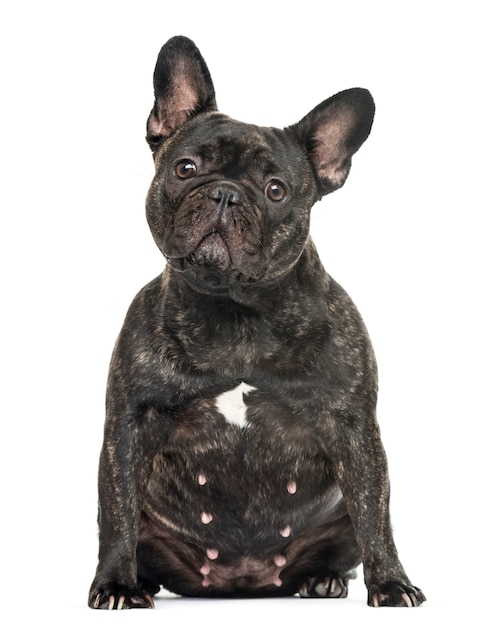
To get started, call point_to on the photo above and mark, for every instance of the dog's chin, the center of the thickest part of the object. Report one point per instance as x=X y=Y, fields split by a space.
x=213 y=252
x=212 y=267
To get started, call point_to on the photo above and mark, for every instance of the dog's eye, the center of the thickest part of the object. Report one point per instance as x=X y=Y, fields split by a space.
x=185 y=169
x=275 y=191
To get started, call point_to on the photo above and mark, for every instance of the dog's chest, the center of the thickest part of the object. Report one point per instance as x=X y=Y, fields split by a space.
x=231 y=405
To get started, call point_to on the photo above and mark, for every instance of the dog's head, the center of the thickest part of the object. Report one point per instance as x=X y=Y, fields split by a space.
x=230 y=202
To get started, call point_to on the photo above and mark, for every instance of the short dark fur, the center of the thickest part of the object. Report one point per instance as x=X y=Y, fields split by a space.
x=294 y=500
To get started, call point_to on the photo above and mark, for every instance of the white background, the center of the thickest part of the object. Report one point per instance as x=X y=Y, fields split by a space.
x=406 y=236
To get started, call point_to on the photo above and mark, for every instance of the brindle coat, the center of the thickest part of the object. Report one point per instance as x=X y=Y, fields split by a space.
x=288 y=491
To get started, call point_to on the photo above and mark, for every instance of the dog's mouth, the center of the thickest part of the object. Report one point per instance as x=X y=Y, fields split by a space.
x=213 y=252
x=213 y=264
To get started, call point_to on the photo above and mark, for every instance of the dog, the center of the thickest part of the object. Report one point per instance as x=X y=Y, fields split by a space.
x=241 y=453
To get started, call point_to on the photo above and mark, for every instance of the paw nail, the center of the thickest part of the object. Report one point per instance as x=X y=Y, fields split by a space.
x=407 y=600
x=120 y=604
x=150 y=601
x=111 y=603
x=303 y=592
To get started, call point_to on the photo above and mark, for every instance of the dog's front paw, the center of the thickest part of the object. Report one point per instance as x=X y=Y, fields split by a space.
x=117 y=597
x=324 y=587
x=394 y=594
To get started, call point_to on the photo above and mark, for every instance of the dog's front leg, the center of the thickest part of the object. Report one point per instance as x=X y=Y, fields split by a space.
x=361 y=471
x=125 y=464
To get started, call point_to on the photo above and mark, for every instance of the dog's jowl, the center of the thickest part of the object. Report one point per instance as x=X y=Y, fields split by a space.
x=241 y=453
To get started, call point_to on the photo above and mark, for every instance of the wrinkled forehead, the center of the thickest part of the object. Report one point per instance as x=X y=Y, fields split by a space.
x=232 y=147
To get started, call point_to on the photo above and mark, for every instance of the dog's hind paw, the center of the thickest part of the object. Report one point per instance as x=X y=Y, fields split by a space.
x=324 y=587
x=393 y=594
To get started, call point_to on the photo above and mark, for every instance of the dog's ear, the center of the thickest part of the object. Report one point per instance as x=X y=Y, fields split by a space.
x=333 y=132
x=182 y=87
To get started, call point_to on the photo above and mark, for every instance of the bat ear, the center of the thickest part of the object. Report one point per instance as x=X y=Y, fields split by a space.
x=182 y=87
x=333 y=132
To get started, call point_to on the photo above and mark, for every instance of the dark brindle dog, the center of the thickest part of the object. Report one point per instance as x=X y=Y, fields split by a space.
x=242 y=455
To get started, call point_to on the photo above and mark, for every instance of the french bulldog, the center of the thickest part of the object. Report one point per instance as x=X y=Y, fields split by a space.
x=241 y=453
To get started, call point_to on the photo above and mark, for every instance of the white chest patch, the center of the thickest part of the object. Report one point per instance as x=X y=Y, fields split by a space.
x=231 y=404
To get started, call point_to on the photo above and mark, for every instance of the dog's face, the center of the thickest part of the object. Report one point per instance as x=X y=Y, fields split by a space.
x=230 y=202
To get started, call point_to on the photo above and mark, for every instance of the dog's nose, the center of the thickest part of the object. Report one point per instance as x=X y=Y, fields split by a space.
x=225 y=195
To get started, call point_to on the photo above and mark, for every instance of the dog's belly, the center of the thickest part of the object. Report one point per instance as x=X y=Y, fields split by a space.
x=238 y=493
